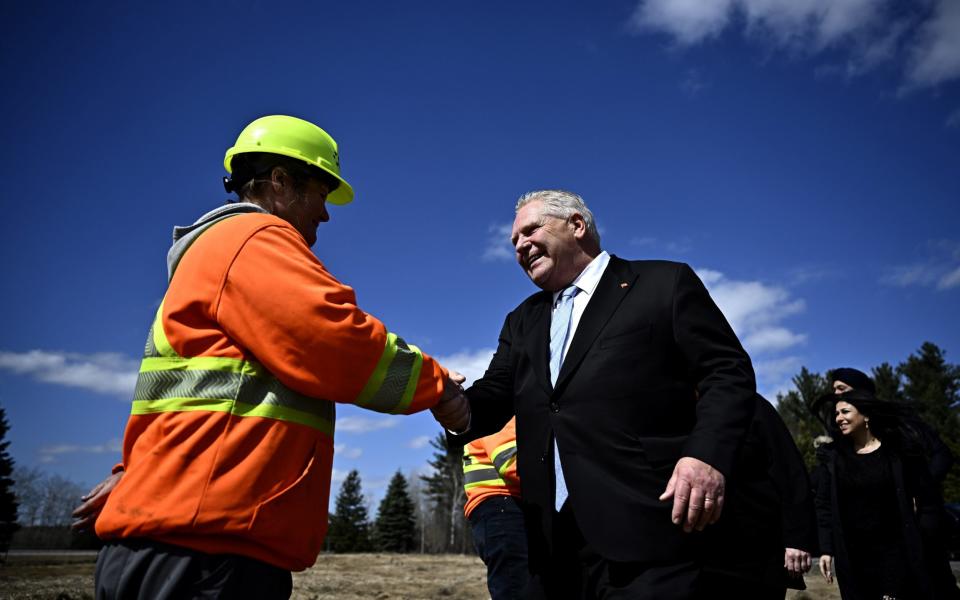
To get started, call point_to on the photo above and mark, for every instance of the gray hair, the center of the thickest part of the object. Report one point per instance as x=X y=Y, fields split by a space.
x=562 y=204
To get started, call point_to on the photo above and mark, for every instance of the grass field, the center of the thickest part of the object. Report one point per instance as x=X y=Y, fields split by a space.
x=69 y=576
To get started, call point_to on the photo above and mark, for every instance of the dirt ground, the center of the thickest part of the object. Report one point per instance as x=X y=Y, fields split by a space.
x=69 y=576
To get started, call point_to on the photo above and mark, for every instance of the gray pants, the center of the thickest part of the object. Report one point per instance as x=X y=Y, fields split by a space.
x=146 y=570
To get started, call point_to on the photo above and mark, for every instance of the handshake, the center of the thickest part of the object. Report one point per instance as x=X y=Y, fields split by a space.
x=453 y=409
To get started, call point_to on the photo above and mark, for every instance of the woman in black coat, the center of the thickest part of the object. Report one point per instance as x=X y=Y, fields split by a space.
x=875 y=503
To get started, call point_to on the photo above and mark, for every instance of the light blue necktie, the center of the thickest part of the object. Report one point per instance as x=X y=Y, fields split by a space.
x=559 y=327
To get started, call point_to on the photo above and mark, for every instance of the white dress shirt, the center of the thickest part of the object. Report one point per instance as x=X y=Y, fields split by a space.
x=587 y=282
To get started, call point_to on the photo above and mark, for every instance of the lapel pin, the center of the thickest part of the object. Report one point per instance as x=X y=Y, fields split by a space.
x=623 y=285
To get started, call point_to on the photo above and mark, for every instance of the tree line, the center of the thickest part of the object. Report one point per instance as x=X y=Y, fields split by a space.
x=924 y=381
x=424 y=513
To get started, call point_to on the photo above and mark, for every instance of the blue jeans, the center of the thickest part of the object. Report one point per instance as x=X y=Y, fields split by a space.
x=501 y=542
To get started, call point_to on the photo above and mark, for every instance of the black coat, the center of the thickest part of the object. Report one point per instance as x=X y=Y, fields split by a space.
x=919 y=507
x=769 y=507
x=625 y=407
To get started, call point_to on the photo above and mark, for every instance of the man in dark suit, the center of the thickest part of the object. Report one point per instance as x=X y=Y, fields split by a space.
x=630 y=391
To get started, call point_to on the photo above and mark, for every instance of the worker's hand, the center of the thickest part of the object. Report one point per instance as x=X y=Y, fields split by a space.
x=826 y=567
x=697 y=490
x=796 y=562
x=85 y=515
x=456 y=377
x=453 y=410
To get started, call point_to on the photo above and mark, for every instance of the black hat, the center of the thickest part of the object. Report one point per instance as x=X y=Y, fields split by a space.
x=856 y=379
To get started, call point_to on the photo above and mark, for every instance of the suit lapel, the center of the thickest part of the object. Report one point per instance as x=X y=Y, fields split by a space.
x=538 y=338
x=614 y=284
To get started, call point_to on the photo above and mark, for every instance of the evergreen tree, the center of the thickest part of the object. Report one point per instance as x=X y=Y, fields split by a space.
x=444 y=489
x=887 y=381
x=931 y=386
x=794 y=408
x=394 y=530
x=349 y=525
x=8 y=502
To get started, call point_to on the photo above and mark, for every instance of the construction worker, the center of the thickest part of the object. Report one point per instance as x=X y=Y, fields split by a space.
x=493 y=510
x=228 y=451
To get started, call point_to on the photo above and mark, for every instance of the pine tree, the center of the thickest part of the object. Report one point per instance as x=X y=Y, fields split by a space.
x=349 y=526
x=394 y=530
x=887 y=381
x=444 y=488
x=794 y=409
x=8 y=502
x=932 y=387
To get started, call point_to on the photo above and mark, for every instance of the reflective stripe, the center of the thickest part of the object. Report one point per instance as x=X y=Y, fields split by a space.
x=204 y=363
x=504 y=455
x=485 y=475
x=150 y=350
x=171 y=383
x=236 y=393
x=393 y=382
x=157 y=338
x=164 y=385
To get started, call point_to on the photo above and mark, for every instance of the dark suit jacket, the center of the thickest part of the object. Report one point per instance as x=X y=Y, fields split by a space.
x=625 y=406
x=769 y=507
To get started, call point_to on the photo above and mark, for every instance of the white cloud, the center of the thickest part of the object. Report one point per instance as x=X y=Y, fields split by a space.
x=924 y=43
x=49 y=454
x=786 y=21
x=940 y=268
x=689 y=21
x=935 y=54
x=756 y=311
x=419 y=442
x=366 y=424
x=347 y=452
x=773 y=339
x=950 y=280
x=498 y=243
x=776 y=376
x=107 y=373
x=470 y=363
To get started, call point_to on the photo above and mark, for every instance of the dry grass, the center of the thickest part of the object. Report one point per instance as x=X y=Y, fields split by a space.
x=392 y=577
x=48 y=576
x=69 y=576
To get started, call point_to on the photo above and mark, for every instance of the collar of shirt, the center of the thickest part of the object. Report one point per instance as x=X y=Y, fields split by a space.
x=589 y=278
x=587 y=281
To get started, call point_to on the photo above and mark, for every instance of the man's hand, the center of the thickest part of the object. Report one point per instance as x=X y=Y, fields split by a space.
x=85 y=515
x=453 y=410
x=826 y=567
x=796 y=562
x=697 y=490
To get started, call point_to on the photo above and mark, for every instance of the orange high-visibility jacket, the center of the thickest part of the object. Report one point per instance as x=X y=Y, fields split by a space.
x=229 y=445
x=490 y=467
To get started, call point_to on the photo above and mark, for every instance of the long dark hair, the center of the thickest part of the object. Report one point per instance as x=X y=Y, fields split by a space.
x=890 y=422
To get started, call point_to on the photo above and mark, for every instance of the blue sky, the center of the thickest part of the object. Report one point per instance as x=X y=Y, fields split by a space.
x=802 y=155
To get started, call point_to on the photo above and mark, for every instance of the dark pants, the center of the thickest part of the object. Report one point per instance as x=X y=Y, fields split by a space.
x=717 y=585
x=501 y=542
x=576 y=570
x=141 y=569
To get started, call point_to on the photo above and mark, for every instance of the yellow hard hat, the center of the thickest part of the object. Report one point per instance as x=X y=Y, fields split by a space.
x=296 y=138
